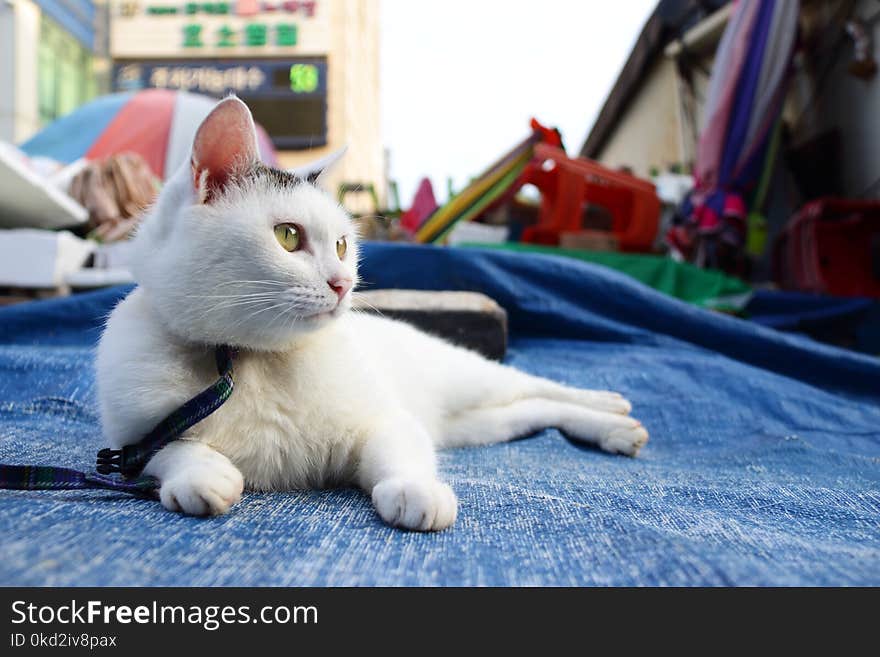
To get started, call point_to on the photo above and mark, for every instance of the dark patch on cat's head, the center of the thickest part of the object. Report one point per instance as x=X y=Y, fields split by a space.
x=267 y=178
x=277 y=177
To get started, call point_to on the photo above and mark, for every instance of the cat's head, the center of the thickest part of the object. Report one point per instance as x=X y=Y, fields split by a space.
x=235 y=252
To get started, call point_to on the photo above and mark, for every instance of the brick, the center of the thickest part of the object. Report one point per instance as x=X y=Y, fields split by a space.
x=468 y=319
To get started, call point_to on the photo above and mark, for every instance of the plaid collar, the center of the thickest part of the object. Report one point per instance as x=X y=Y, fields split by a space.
x=131 y=459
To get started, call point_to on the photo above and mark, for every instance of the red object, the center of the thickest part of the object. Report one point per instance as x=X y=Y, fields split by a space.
x=568 y=184
x=549 y=136
x=247 y=7
x=831 y=246
x=424 y=203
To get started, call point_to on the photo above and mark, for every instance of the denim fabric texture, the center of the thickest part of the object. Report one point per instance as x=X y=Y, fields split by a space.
x=762 y=468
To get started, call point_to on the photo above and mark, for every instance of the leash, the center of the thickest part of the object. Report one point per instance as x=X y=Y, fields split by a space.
x=129 y=461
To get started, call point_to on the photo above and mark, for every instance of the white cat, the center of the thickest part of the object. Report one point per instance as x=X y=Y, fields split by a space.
x=240 y=254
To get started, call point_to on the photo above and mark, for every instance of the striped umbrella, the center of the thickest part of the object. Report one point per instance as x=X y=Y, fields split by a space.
x=740 y=131
x=158 y=124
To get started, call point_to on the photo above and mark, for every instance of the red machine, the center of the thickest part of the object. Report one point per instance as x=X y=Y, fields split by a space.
x=831 y=246
x=568 y=185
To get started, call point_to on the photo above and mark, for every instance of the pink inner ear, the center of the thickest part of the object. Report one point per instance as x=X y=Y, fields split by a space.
x=225 y=144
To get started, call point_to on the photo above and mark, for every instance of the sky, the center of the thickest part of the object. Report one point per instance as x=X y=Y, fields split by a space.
x=460 y=79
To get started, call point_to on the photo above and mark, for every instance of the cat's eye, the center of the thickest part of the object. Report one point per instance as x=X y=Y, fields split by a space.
x=288 y=236
x=341 y=247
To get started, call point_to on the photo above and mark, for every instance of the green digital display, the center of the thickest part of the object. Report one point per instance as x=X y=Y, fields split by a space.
x=303 y=78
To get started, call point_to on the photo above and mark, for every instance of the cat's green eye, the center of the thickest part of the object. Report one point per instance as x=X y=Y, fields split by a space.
x=288 y=236
x=341 y=247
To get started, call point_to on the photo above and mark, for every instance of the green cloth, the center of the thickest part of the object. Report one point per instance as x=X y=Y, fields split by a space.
x=708 y=288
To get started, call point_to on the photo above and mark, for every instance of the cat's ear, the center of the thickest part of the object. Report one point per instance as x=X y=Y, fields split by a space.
x=312 y=171
x=225 y=145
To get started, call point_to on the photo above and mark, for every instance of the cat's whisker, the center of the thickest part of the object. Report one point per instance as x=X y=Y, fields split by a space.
x=292 y=319
x=259 y=311
x=243 y=304
x=243 y=300
x=239 y=304
x=232 y=300
x=250 y=316
x=282 y=314
x=247 y=295
x=255 y=282
x=230 y=296
x=361 y=299
x=293 y=304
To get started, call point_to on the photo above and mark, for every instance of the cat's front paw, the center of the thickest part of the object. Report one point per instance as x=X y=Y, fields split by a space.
x=203 y=489
x=418 y=504
x=627 y=438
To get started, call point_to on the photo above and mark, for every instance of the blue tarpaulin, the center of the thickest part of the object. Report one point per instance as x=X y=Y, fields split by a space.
x=763 y=464
x=853 y=322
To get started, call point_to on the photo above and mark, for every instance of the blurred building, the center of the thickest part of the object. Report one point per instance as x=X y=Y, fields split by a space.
x=308 y=69
x=47 y=62
x=647 y=122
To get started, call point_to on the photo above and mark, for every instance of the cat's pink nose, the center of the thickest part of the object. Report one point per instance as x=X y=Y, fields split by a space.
x=341 y=286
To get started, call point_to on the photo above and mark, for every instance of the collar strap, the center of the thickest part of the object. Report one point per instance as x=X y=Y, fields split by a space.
x=131 y=459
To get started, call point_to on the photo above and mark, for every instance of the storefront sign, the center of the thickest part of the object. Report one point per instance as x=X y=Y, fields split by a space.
x=287 y=97
x=252 y=35
x=130 y=8
x=296 y=76
x=165 y=29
